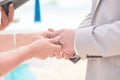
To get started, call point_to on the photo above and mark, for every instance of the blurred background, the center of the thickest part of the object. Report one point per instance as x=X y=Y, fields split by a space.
x=55 y=14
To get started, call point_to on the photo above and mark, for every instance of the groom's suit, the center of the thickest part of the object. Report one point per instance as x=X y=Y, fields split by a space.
x=99 y=35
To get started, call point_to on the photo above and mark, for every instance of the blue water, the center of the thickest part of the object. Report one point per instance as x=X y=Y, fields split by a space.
x=22 y=72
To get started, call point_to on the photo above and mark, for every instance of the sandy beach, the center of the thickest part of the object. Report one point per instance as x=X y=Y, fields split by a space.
x=60 y=70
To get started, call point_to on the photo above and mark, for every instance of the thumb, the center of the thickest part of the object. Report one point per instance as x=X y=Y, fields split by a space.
x=56 y=33
x=51 y=30
x=55 y=40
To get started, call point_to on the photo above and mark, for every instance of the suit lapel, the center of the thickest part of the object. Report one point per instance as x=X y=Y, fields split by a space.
x=96 y=6
x=94 y=10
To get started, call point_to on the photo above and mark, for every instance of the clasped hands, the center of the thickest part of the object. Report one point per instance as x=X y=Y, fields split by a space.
x=51 y=43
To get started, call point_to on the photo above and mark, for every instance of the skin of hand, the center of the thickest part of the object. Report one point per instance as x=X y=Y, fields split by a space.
x=44 y=34
x=6 y=20
x=31 y=37
x=67 y=42
x=40 y=48
x=21 y=39
x=44 y=47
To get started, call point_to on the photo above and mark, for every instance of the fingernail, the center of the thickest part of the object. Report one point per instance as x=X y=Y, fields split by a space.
x=61 y=54
x=11 y=4
x=59 y=37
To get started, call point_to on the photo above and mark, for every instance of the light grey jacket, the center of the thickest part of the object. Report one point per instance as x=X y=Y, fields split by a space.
x=99 y=35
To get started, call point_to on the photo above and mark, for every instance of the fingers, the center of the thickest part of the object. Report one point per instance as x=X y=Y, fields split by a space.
x=67 y=54
x=52 y=33
x=11 y=12
x=48 y=33
x=56 y=33
x=58 y=52
x=57 y=48
x=51 y=30
x=55 y=40
x=58 y=55
x=4 y=20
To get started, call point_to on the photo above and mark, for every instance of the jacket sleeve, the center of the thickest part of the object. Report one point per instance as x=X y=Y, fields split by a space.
x=98 y=40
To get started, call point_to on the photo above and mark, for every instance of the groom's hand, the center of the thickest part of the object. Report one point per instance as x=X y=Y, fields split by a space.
x=67 y=42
